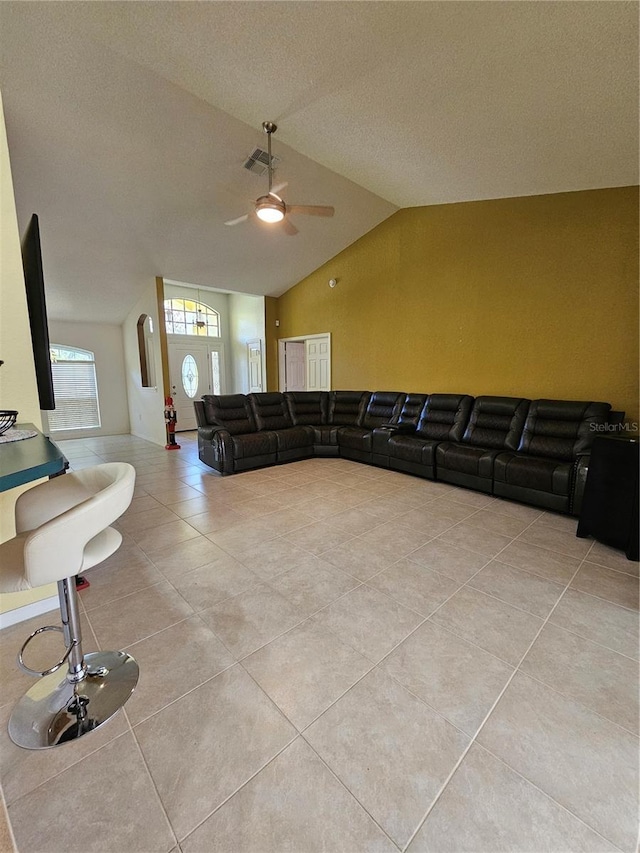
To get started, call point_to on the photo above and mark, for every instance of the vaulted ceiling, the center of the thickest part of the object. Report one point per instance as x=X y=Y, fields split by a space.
x=129 y=123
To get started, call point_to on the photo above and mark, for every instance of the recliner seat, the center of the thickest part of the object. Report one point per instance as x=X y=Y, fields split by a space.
x=271 y=414
x=311 y=408
x=355 y=441
x=404 y=422
x=543 y=471
x=443 y=418
x=495 y=425
x=228 y=437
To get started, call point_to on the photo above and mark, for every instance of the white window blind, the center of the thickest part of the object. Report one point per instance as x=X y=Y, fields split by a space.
x=75 y=389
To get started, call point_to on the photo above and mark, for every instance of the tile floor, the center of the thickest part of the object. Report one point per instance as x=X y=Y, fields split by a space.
x=336 y=657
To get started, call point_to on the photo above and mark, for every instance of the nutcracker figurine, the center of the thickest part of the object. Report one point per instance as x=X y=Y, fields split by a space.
x=170 y=419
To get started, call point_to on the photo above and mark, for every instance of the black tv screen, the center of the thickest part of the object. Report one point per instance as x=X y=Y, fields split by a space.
x=34 y=281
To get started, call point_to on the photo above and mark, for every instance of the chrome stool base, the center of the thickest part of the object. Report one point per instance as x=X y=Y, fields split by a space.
x=54 y=711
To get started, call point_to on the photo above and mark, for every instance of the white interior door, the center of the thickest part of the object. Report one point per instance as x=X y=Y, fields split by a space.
x=190 y=379
x=294 y=366
x=254 y=357
x=318 y=358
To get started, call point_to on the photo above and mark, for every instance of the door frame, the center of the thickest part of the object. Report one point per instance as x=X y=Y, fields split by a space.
x=206 y=343
x=199 y=347
x=299 y=339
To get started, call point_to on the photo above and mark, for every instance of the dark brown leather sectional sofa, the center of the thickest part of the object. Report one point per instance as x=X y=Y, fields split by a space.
x=531 y=451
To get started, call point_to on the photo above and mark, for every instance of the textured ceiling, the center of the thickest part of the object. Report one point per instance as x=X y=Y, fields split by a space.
x=128 y=123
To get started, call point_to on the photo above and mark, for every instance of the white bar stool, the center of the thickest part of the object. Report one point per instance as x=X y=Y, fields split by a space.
x=62 y=529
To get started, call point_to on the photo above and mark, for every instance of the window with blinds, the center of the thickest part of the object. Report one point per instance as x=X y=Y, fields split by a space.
x=75 y=389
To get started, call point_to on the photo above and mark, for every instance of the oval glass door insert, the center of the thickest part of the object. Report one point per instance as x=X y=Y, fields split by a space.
x=190 y=376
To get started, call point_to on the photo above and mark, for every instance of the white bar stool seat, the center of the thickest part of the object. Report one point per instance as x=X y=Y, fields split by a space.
x=63 y=528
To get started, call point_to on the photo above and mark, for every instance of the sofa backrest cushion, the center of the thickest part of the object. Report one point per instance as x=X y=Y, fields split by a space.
x=347 y=408
x=562 y=429
x=270 y=411
x=410 y=410
x=383 y=407
x=232 y=411
x=496 y=422
x=308 y=408
x=444 y=417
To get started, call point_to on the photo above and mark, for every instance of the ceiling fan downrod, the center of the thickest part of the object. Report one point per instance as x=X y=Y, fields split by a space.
x=269 y=127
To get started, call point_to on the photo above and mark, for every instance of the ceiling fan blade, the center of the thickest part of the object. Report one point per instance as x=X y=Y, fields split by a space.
x=238 y=220
x=311 y=209
x=288 y=227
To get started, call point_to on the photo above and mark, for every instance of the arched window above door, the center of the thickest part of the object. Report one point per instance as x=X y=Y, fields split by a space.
x=190 y=317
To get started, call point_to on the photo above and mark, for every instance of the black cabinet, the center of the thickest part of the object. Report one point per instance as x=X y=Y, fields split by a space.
x=610 y=505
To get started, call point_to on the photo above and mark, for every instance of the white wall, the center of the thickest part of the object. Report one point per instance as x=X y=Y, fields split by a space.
x=146 y=405
x=246 y=320
x=106 y=342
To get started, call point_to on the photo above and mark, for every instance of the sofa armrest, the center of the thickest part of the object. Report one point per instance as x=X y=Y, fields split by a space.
x=207 y=431
x=580 y=471
x=404 y=429
x=215 y=448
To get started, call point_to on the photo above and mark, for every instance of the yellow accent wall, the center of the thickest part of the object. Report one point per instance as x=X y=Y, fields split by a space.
x=18 y=389
x=534 y=296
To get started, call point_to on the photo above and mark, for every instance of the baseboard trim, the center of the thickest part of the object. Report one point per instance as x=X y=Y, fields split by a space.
x=21 y=614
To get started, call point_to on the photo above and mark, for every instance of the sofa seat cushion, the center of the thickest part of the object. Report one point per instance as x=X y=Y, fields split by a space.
x=254 y=444
x=356 y=438
x=410 y=448
x=466 y=459
x=534 y=472
x=294 y=438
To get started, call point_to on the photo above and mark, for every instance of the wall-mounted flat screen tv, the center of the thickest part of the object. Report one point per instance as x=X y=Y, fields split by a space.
x=36 y=302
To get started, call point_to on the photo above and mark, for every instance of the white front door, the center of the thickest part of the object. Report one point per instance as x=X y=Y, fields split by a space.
x=294 y=366
x=254 y=356
x=318 y=355
x=190 y=379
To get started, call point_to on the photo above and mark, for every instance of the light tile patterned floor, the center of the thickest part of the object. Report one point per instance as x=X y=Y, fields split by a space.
x=335 y=657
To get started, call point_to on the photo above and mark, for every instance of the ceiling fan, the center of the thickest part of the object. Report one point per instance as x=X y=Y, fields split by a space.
x=272 y=208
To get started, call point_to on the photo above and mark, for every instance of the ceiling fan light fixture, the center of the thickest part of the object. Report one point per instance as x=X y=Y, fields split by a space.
x=270 y=209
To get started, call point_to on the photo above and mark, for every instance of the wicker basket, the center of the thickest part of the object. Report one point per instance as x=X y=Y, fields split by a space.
x=7 y=419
